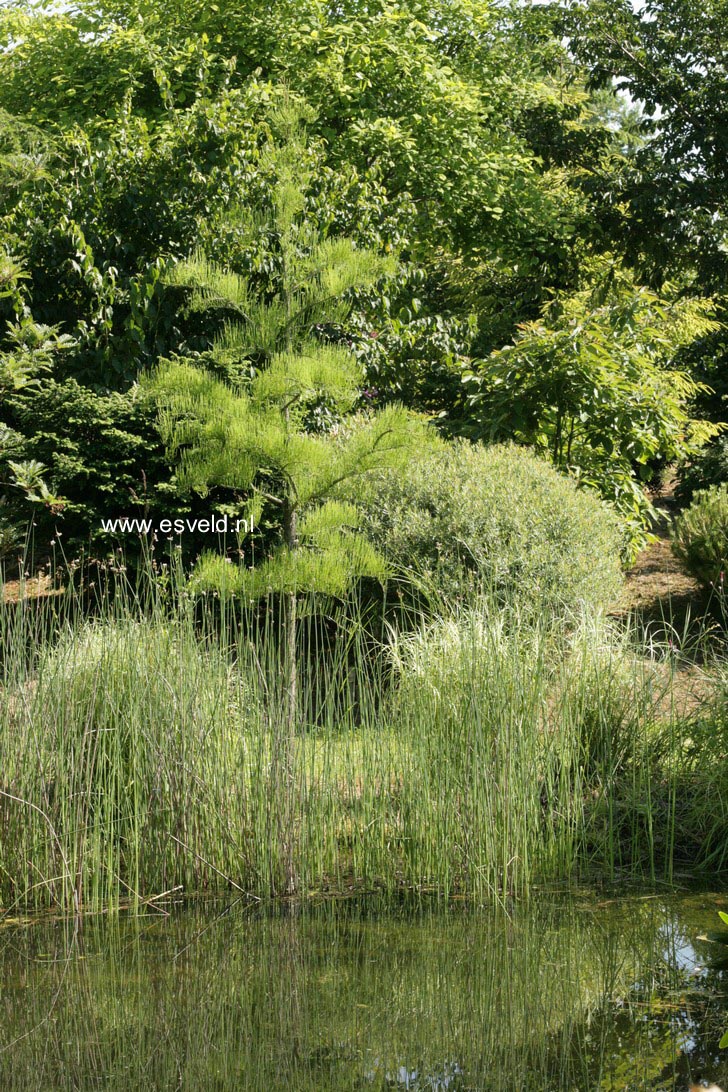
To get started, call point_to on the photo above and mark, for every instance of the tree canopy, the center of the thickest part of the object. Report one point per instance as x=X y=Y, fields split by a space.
x=484 y=155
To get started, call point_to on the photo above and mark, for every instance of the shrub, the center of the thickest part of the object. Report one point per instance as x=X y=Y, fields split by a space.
x=709 y=467
x=700 y=534
x=593 y=386
x=462 y=516
x=102 y=455
x=99 y=452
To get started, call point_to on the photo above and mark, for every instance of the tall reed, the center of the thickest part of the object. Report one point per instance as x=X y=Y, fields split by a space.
x=480 y=752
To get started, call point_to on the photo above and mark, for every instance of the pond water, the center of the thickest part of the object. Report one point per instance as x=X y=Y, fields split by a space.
x=576 y=993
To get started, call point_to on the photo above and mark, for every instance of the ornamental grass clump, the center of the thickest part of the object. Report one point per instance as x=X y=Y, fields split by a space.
x=613 y=701
x=123 y=765
x=481 y=774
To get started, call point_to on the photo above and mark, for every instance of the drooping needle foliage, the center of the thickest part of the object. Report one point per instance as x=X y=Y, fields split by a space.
x=254 y=438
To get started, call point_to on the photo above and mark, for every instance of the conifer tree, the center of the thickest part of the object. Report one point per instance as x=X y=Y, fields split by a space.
x=252 y=436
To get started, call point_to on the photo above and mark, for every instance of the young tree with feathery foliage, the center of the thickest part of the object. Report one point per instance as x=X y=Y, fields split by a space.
x=253 y=435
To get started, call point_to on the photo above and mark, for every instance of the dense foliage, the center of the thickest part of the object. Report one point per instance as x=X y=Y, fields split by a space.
x=700 y=535
x=592 y=386
x=708 y=467
x=547 y=247
x=466 y=516
x=427 y=293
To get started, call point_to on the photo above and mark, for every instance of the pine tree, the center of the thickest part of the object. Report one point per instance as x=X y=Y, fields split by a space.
x=253 y=437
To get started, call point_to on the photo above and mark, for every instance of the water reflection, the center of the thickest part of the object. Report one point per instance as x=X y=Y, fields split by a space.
x=559 y=995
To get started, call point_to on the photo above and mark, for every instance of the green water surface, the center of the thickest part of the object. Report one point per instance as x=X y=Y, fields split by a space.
x=584 y=992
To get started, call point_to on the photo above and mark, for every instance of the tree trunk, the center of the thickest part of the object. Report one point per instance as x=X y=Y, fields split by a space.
x=291 y=700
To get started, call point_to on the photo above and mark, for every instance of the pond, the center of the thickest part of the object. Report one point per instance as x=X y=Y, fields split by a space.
x=561 y=993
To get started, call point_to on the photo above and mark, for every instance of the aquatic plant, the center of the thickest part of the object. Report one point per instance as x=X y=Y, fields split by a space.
x=480 y=753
